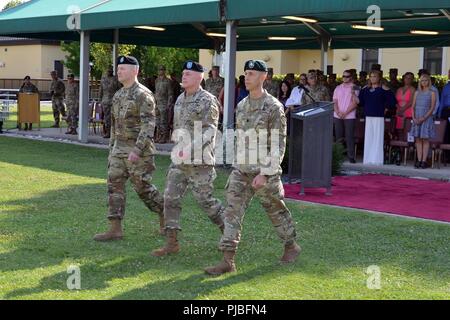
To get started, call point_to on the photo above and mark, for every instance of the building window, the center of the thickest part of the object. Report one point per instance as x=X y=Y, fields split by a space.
x=432 y=60
x=369 y=57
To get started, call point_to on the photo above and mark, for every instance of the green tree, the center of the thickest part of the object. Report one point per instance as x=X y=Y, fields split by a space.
x=172 y=58
x=100 y=55
x=12 y=4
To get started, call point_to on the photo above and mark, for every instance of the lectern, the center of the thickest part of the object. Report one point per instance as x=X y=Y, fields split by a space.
x=311 y=145
x=29 y=109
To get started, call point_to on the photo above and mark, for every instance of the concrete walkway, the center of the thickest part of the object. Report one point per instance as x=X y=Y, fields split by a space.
x=58 y=135
x=442 y=174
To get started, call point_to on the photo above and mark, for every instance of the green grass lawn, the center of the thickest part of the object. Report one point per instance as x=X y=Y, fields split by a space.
x=53 y=200
x=46 y=118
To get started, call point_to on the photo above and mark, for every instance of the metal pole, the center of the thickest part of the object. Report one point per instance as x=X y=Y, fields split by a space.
x=84 y=86
x=115 y=52
x=229 y=86
x=324 y=54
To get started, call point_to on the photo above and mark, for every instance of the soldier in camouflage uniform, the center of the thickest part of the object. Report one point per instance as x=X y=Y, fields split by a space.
x=194 y=107
x=271 y=86
x=214 y=84
x=263 y=113
x=164 y=98
x=57 y=90
x=28 y=87
x=108 y=87
x=131 y=148
x=316 y=90
x=72 y=94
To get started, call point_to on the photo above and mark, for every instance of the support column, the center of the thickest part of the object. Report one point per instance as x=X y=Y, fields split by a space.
x=324 y=54
x=115 y=52
x=84 y=87
x=230 y=75
x=229 y=91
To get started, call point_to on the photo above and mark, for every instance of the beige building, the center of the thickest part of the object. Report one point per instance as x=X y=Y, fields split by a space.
x=436 y=60
x=37 y=58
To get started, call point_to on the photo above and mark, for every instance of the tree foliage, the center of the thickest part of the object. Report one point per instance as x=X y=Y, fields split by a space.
x=149 y=57
x=12 y=4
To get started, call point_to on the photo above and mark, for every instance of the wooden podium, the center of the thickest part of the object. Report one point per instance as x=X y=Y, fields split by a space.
x=29 y=109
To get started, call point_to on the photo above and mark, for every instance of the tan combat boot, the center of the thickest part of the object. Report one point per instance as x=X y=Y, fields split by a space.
x=115 y=233
x=291 y=253
x=226 y=265
x=171 y=245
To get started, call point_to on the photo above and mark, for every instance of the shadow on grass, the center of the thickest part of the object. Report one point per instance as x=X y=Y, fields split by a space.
x=58 y=238
x=60 y=157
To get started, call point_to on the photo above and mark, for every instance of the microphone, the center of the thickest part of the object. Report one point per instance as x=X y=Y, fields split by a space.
x=304 y=88
x=307 y=92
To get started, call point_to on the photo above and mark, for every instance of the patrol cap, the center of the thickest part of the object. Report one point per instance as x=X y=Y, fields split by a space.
x=193 y=66
x=127 y=60
x=257 y=65
x=216 y=67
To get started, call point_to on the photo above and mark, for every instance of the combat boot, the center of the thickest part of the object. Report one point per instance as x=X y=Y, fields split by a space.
x=114 y=233
x=171 y=245
x=291 y=253
x=226 y=265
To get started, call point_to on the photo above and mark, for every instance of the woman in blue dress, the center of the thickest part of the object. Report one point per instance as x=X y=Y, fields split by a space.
x=423 y=125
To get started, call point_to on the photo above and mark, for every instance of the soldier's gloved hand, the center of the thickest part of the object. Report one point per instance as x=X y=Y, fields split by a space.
x=133 y=157
x=259 y=181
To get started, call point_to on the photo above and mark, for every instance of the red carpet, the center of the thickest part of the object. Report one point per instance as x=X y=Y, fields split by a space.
x=403 y=196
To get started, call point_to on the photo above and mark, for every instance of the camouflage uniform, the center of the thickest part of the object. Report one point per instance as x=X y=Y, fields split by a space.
x=72 y=93
x=214 y=86
x=164 y=97
x=265 y=113
x=319 y=93
x=272 y=87
x=132 y=127
x=57 y=89
x=28 y=88
x=202 y=107
x=108 y=87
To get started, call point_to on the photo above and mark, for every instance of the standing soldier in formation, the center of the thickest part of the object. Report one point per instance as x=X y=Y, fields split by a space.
x=272 y=86
x=28 y=87
x=263 y=113
x=72 y=94
x=194 y=108
x=57 y=90
x=131 y=148
x=108 y=87
x=164 y=98
x=214 y=84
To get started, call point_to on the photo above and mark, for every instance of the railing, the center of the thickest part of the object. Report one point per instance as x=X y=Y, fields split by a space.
x=43 y=86
x=7 y=97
